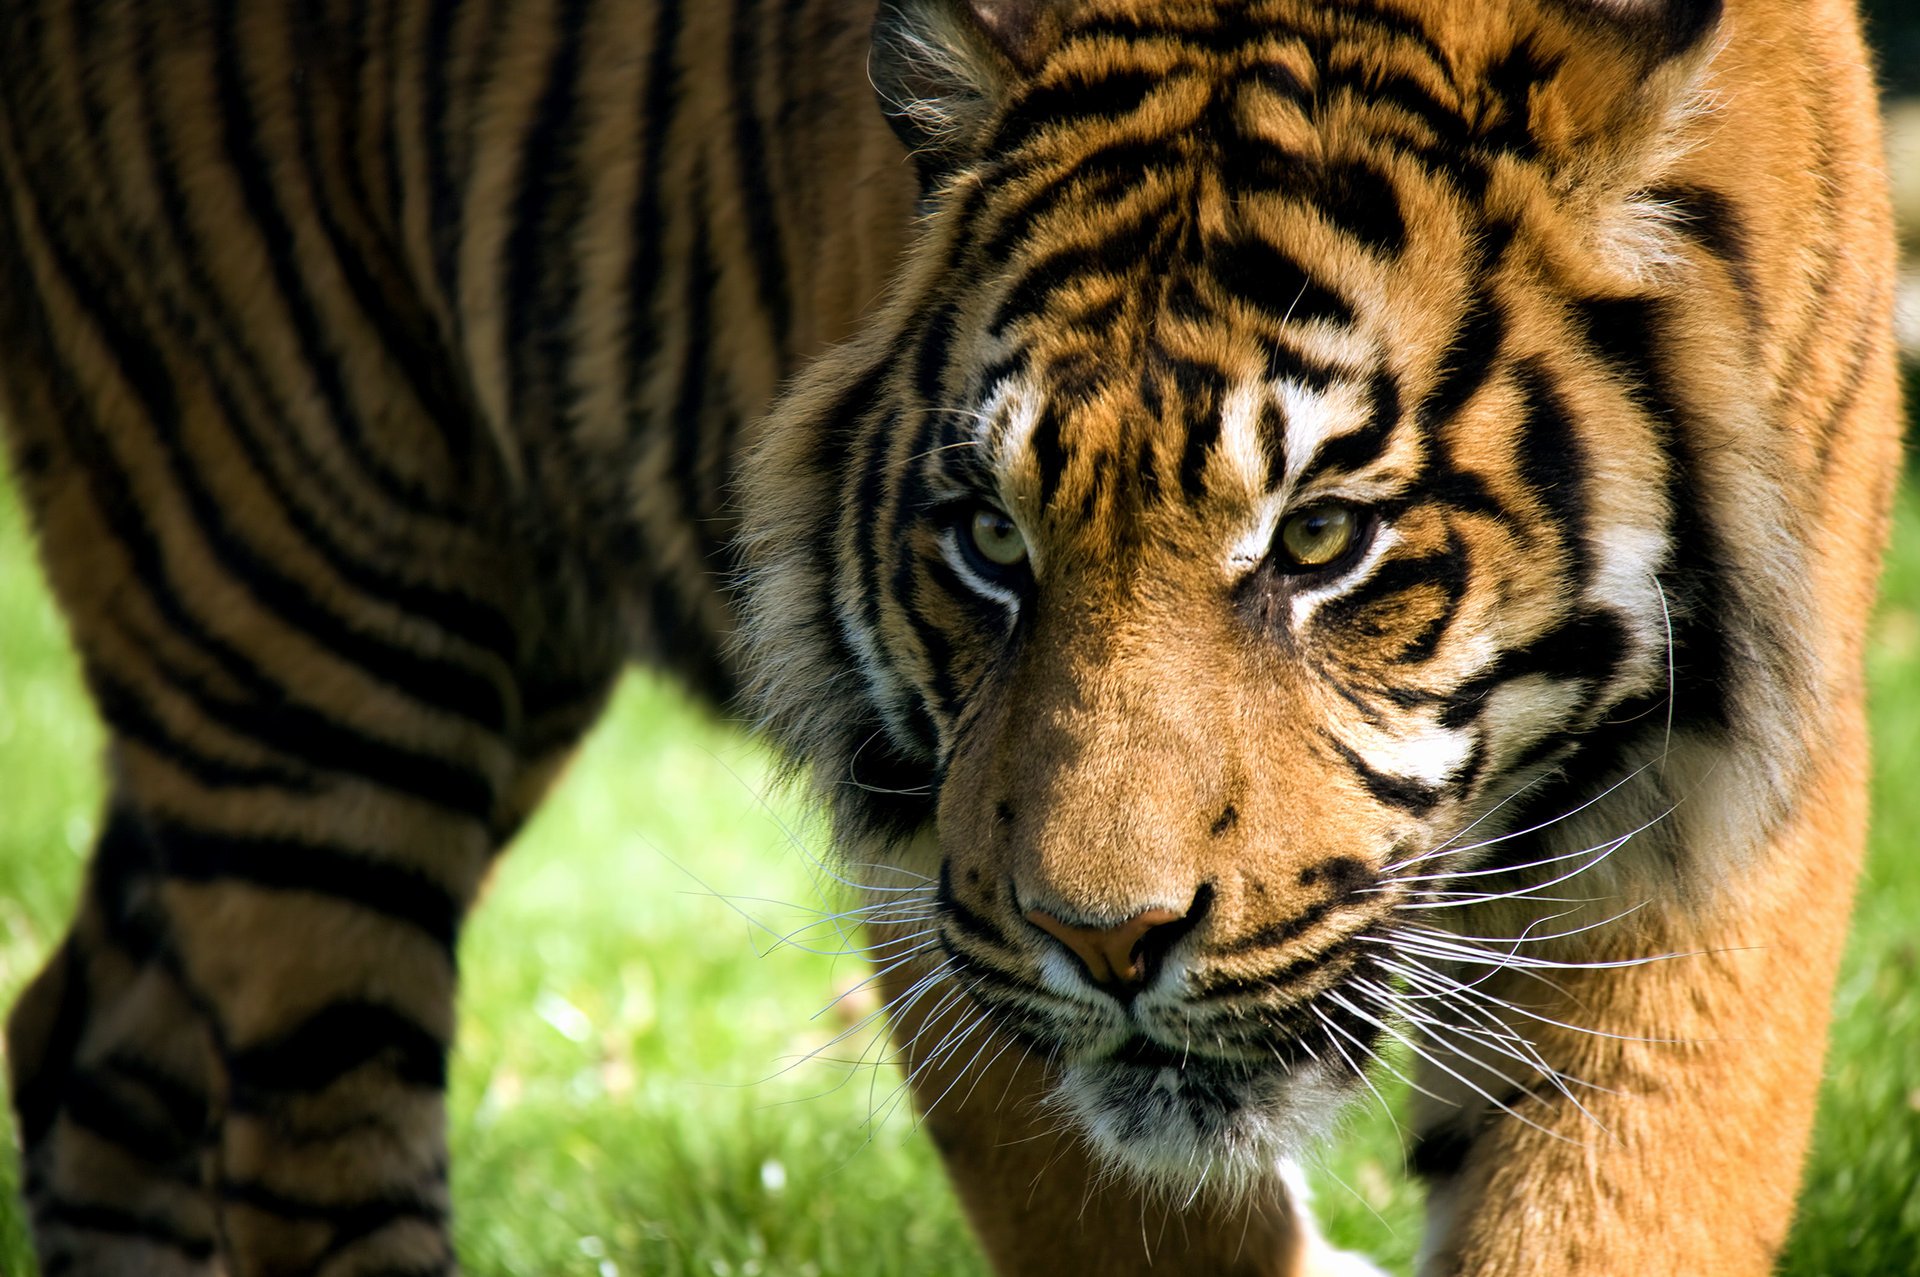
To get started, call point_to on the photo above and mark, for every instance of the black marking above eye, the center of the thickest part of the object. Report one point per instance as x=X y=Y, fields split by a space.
x=1267 y=279
x=1363 y=202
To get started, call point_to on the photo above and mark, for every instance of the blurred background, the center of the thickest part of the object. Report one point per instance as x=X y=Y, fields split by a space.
x=629 y=1089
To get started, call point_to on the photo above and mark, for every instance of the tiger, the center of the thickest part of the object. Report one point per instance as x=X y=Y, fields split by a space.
x=1307 y=533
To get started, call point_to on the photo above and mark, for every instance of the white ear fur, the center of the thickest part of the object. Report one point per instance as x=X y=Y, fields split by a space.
x=941 y=67
x=936 y=74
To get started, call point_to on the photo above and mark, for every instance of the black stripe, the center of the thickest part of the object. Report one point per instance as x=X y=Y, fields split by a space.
x=1468 y=361
x=445 y=686
x=892 y=793
x=1395 y=791
x=1219 y=30
x=1450 y=574
x=757 y=198
x=933 y=642
x=680 y=642
x=1588 y=648
x=184 y=1104
x=39 y=1080
x=391 y=889
x=1285 y=360
x=435 y=63
x=699 y=398
x=1049 y=450
x=1358 y=198
x=1511 y=80
x=1354 y=451
x=1099 y=178
x=1079 y=97
x=931 y=358
x=1439 y=1154
x=117 y=1221
x=538 y=257
x=1712 y=221
x=337 y=1040
x=373 y=273
x=1625 y=332
x=310 y=737
x=1122 y=249
x=1202 y=390
x=1368 y=601
x=128 y=714
x=90 y=1103
x=985 y=616
x=961 y=917
x=1373 y=86
x=1553 y=462
x=1866 y=344
x=249 y=166
x=648 y=221
x=1261 y=275
x=349 y=1221
x=266 y=715
x=1272 y=426
x=471 y=619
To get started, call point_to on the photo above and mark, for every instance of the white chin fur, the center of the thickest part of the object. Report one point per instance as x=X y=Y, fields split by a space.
x=1206 y=1128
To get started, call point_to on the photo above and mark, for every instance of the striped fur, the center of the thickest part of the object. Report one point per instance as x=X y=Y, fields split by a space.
x=381 y=374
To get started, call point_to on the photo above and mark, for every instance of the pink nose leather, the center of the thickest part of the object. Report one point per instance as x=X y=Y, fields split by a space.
x=1111 y=953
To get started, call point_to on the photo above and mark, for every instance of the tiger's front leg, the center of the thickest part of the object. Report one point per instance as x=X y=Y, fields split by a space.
x=1677 y=1141
x=235 y=1063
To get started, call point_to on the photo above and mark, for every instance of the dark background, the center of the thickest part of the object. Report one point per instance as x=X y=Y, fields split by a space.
x=1894 y=28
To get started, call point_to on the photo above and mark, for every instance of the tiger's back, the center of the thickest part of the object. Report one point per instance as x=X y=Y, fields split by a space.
x=378 y=373
x=373 y=373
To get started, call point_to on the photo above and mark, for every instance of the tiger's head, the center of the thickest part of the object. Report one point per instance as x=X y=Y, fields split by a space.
x=1262 y=503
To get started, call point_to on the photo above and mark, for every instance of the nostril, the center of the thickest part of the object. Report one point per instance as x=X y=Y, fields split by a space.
x=1125 y=957
x=1151 y=949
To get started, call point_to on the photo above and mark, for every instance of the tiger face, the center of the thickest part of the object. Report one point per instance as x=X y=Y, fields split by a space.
x=1246 y=531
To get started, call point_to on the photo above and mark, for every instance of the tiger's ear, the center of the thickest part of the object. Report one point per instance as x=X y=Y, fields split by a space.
x=1625 y=74
x=1659 y=30
x=943 y=67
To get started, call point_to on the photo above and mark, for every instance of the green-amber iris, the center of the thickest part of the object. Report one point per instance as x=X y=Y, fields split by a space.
x=997 y=537
x=1317 y=535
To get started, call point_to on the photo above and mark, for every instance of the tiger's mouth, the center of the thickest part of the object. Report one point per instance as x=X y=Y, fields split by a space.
x=1180 y=1119
x=1168 y=1095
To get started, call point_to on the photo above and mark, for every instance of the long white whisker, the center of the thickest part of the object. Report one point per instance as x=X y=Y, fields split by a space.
x=1471 y=1085
x=1505 y=1005
x=1447 y=850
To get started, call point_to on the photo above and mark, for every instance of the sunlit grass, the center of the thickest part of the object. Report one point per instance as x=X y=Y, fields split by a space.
x=622 y=1100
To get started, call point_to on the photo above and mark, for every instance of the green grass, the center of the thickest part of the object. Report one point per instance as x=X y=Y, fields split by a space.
x=618 y=1098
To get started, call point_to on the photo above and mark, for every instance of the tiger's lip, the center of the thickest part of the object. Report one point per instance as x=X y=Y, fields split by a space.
x=1139 y=1051
x=1144 y=1052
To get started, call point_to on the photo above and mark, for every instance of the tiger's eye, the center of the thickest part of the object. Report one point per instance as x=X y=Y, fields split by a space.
x=1318 y=535
x=998 y=538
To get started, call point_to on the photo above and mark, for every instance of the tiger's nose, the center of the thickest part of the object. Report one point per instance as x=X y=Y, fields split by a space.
x=1124 y=957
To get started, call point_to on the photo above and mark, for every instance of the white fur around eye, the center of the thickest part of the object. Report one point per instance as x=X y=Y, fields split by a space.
x=956 y=557
x=1306 y=601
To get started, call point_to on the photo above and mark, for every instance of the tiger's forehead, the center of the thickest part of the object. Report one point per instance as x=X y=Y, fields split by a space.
x=1177 y=443
x=1201 y=256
